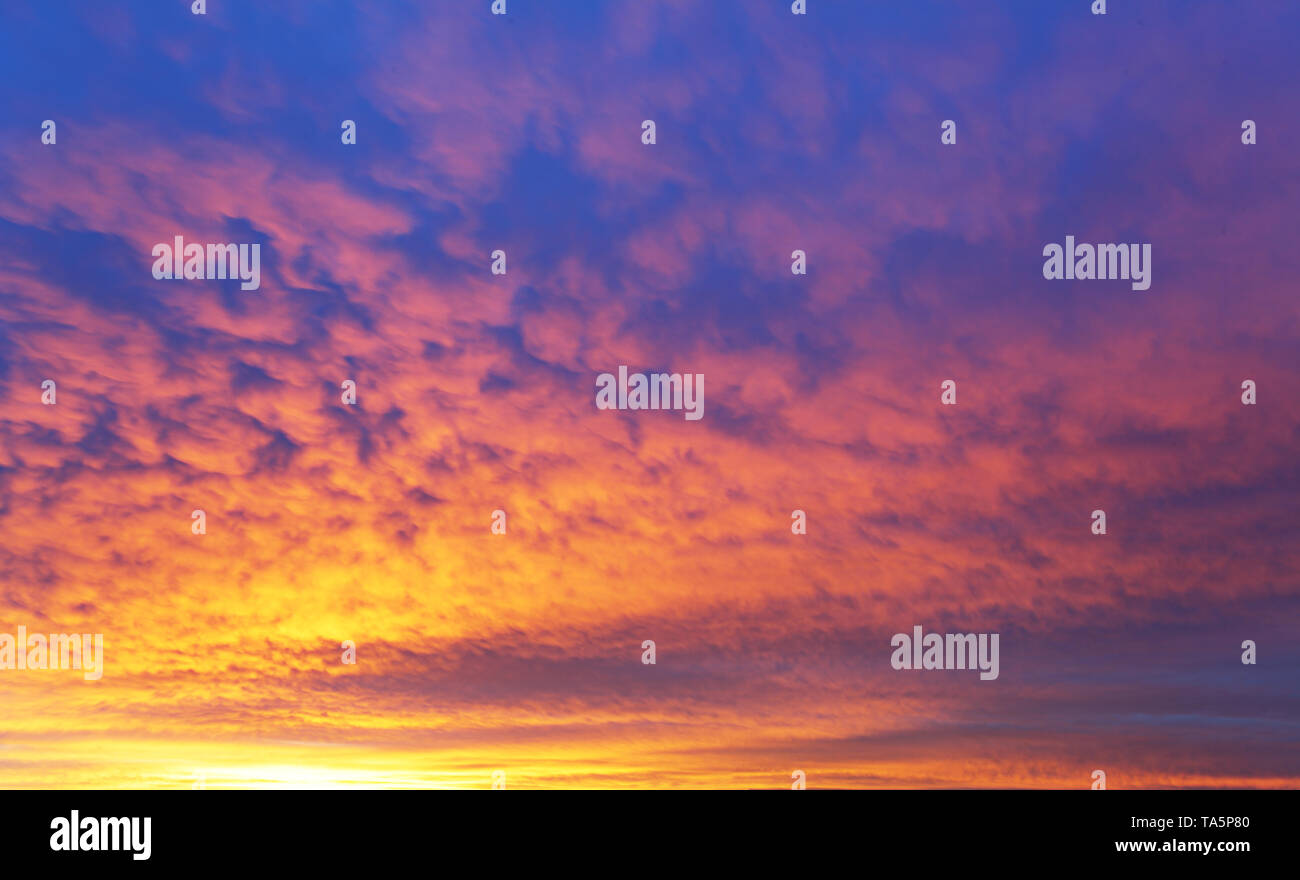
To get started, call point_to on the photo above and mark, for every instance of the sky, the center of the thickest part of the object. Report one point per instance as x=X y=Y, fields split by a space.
x=522 y=652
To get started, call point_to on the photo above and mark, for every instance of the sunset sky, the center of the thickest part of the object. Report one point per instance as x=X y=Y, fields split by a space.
x=522 y=652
